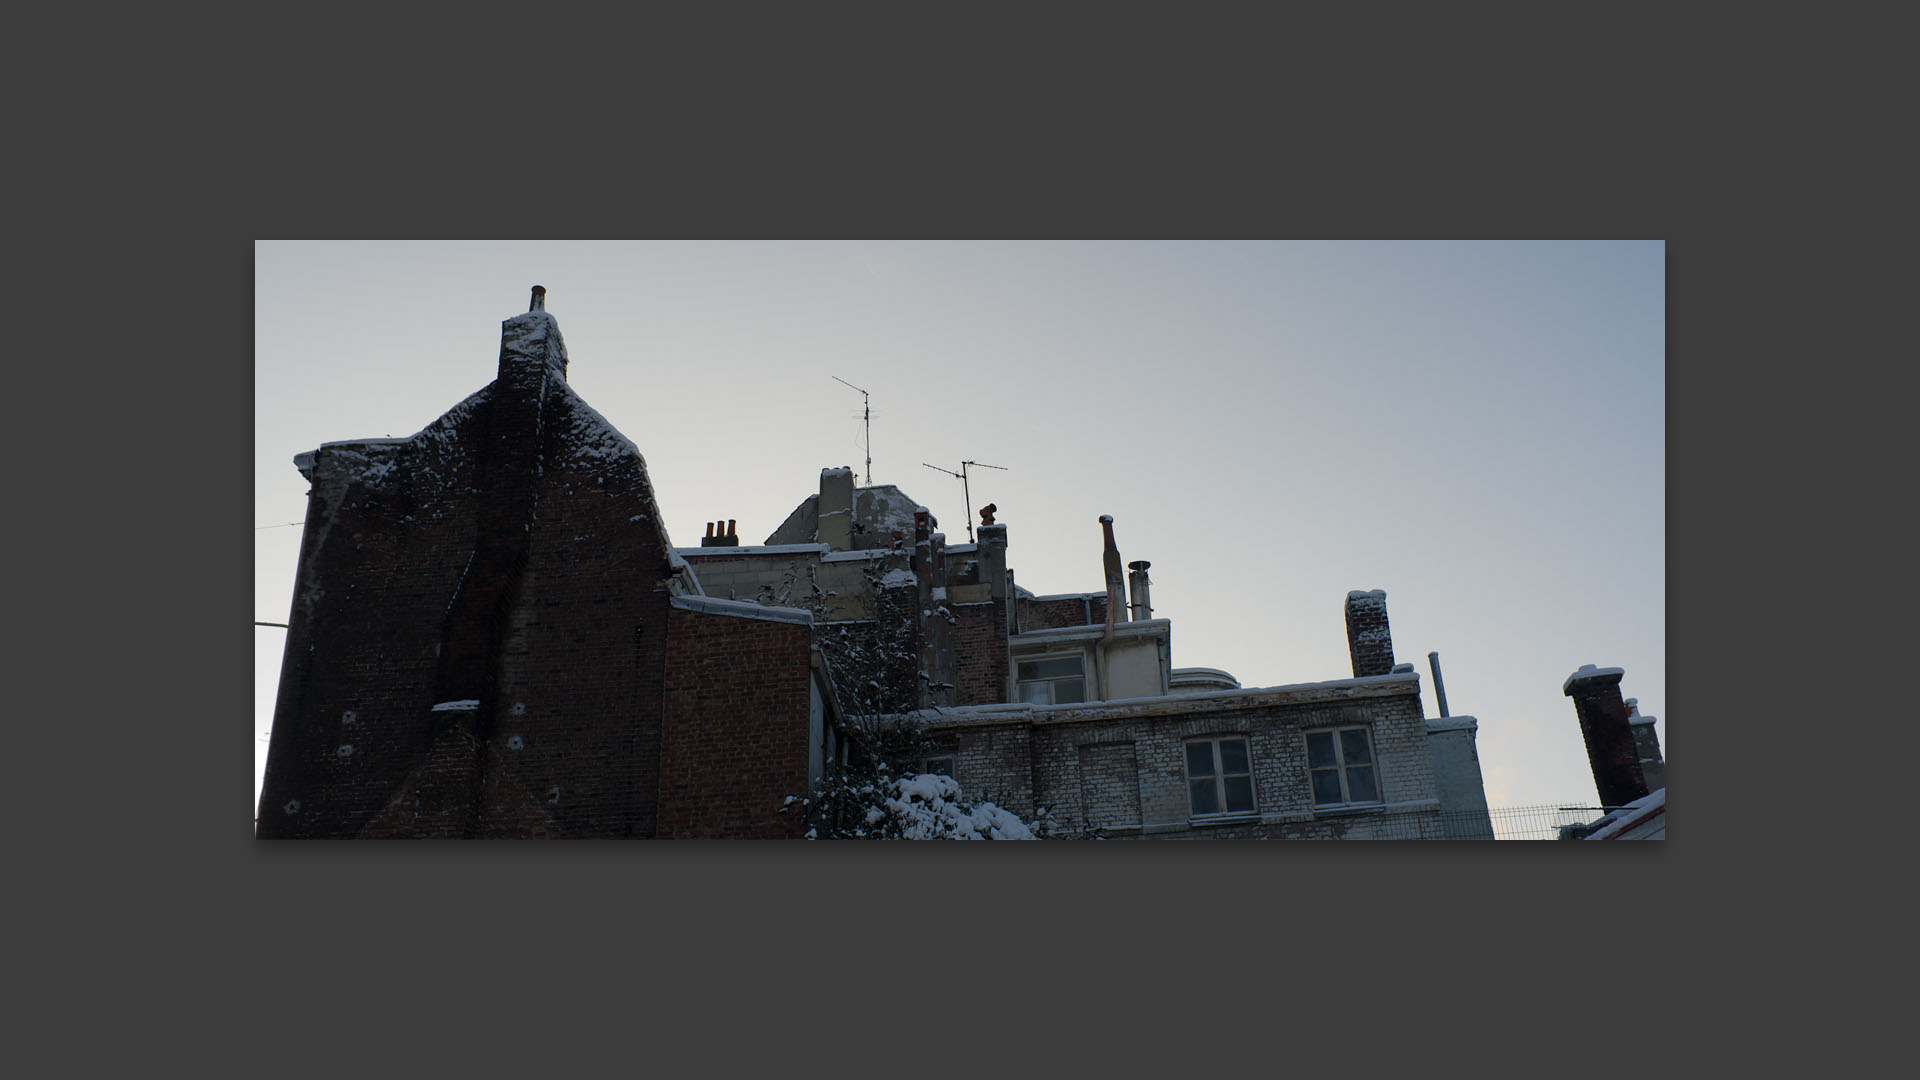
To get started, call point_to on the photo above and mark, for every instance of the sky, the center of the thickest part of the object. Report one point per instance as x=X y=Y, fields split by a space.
x=1477 y=428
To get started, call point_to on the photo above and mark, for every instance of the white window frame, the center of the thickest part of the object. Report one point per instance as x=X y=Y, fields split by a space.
x=1340 y=767
x=1220 y=777
x=1019 y=694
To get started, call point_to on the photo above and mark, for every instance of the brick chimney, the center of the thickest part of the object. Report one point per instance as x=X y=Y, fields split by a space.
x=836 y=508
x=1369 y=642
x=1646 y=742
x=1608 y=730
x=530 y=344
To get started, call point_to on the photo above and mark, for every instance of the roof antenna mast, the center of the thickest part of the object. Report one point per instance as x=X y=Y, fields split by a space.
x=866 y=419
x=964 y=491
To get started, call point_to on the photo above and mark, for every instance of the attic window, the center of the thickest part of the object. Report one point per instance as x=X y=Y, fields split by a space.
x=1052 y=680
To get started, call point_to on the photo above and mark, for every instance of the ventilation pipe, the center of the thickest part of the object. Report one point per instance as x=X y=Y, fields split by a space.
x=1141 y=609
x=1439 y=688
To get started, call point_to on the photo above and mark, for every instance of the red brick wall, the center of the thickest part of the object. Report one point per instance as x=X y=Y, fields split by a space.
x=734 y=740
x=980 y=652
x=1072 y=611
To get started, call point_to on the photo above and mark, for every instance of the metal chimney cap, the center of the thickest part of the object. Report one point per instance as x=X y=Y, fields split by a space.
x=1138 y=564
x=539 y=302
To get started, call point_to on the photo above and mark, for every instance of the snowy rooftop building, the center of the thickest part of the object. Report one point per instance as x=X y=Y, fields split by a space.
x=491 y=614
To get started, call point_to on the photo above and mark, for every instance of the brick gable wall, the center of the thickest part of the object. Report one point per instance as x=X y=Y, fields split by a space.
x=504 y=556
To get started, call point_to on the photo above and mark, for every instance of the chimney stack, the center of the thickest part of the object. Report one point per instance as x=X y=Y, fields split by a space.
x=836 y=508
x=1137 y=583
x=1369 y=642
x=1646 y=743
x=531 y=345
x=1608 y=731
x=1116 y=584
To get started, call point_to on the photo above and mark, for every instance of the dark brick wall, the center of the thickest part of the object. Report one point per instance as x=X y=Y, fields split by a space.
x=735 y=739
x=509 y=554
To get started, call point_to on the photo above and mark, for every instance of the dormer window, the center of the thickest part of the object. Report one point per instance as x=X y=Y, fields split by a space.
x=1052 y=680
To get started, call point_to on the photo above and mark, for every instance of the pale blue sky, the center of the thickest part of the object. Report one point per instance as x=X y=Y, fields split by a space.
x=1478 y=427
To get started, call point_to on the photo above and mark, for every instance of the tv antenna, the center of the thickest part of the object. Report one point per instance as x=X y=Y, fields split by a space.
x=866 y=418
x=964 y=491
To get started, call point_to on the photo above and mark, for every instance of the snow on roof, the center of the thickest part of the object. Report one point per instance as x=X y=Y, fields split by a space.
x=1359 y=594
x=743 y=609
x=1452 y=723
x=883 y=510
x=1632 y=814
x=1203 y=672
x=535 y=335
x=376 y=457
x=868 y=554
x=1588 y=671
x=1173 y=704
x=595 y=437
x=463 y=705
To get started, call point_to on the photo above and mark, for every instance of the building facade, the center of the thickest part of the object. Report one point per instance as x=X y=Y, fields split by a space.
x=493 y=636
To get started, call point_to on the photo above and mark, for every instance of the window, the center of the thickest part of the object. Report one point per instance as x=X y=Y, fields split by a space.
x=939 y=764
x=1342 y=767
x=1219 y=777
x=1053 y=680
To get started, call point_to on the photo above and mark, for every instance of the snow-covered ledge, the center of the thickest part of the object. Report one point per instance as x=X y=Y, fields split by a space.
x=743 y=609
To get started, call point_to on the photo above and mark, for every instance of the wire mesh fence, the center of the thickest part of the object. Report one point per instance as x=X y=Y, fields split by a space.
x=1539 y=822
x=1505 y=823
